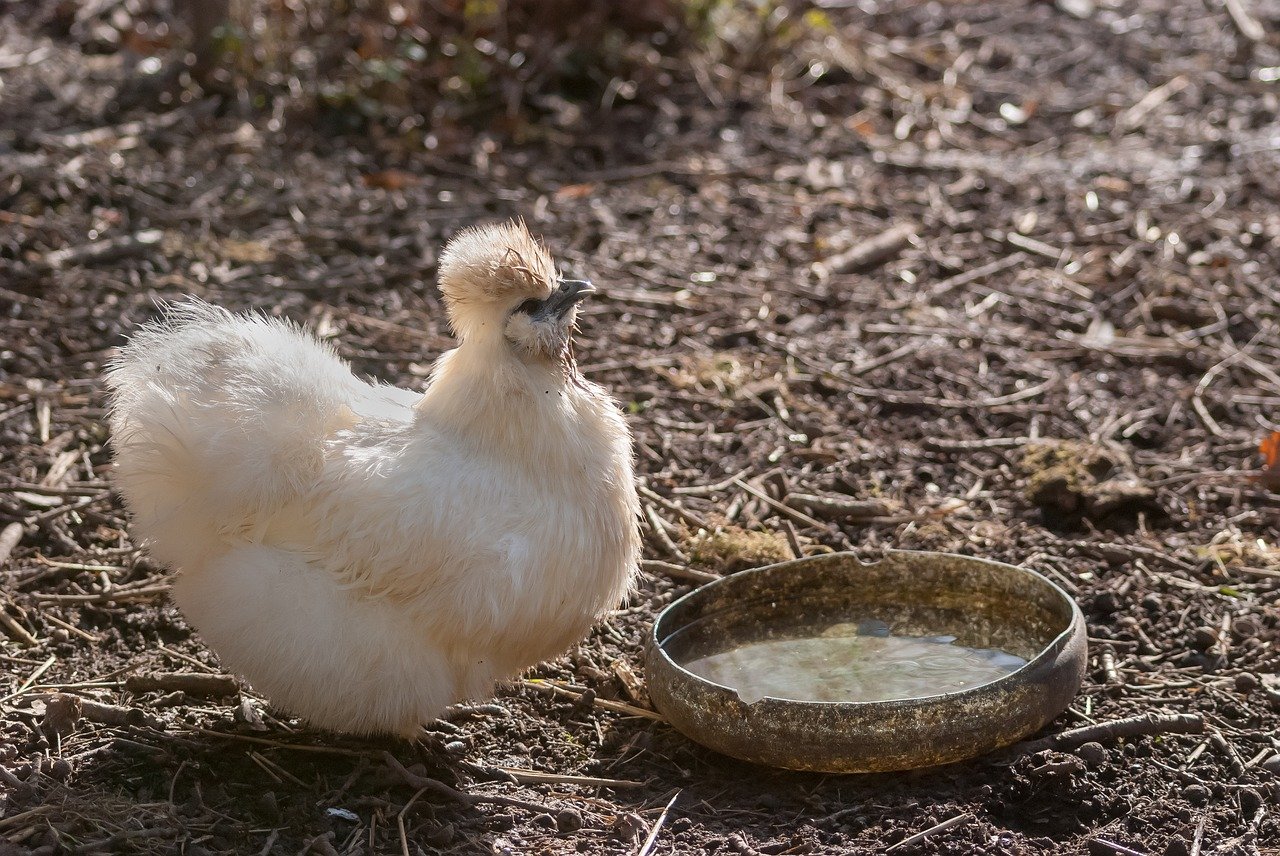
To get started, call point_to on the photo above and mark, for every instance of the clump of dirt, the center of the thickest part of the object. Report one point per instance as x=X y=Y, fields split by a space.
x=721 y=371
x=1231 y=548
x=1085 y=479
x=731 y=548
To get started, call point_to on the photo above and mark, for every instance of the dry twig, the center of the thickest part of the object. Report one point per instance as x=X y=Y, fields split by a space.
x=9 y=538
x=679 y=572
x=191 y=683
x=868 y=253
x=933 y=830
x=649 y=842
x=1136 y=726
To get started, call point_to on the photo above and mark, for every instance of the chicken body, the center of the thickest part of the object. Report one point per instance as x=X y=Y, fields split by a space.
x=363 y=555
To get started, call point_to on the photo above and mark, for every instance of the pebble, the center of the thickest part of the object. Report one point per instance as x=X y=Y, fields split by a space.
x=1176 y=847
x=1196 y=794
x=1093 y=754
x=1203 y=638
x=455 y=747
x=568 y=820
x=1246 y=682
x=1250 y=802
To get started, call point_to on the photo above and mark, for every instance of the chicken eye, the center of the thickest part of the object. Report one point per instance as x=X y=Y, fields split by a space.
x=530 y=306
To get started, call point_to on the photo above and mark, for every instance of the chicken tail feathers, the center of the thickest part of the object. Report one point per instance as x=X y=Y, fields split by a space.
x=217 y=419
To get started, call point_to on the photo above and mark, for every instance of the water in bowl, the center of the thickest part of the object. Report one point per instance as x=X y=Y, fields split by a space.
x=853 y=662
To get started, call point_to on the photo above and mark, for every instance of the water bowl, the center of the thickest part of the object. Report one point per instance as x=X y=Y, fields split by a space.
x=829 y=663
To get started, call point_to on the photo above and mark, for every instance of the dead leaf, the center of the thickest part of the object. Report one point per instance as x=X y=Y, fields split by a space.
x=146 y=42
x=862 y=126
x=1269 y=475
x=575 y=191
x=390 y=179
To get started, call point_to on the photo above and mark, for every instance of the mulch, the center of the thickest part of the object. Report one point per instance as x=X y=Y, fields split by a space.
x=1004 y=273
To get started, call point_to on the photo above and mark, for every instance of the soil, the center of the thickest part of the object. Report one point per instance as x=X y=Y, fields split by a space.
x=1087 y=258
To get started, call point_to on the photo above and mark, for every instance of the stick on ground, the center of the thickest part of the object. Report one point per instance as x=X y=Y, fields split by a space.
x=1136 y=726
x=941 y=827
x=868 y=253
x=647 y=848
x=438 y=787
x=191 y=683
x=9 y=538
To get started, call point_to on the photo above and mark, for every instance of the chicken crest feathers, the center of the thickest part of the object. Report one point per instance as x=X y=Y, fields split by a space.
x=495 y=262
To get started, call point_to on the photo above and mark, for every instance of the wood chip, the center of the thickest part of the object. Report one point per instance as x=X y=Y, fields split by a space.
x=678 y=572
x=868 y=253
x=9 y=538
x=840 y=508
x=191 y=683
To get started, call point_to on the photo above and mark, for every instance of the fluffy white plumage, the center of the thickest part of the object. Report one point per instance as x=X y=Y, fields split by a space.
x=365 y=555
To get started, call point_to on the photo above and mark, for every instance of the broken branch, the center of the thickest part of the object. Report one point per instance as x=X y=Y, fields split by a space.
x=868 y=253
x=1135 y=726
x=191 y=683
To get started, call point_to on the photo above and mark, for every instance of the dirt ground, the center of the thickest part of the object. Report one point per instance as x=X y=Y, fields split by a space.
x=1064 y=357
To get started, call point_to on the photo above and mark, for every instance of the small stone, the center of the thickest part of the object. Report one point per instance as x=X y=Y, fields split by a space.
x=1177 y=846
x=1196 y=794
x=546 y=821
x=1203 y=638
x=1272 y=764
x=455 y=747
x=1246 y=682
x=1106 y=603
x=61 y=713
x=1250 y=802
x=1093 y=754
x=568 y=820
x=1078 y=8
x=60 y=770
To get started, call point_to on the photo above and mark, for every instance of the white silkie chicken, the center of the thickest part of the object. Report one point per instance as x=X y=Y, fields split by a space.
x=364 y=555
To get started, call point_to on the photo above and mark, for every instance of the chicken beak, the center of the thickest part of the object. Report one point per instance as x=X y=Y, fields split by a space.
x=568 y=295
